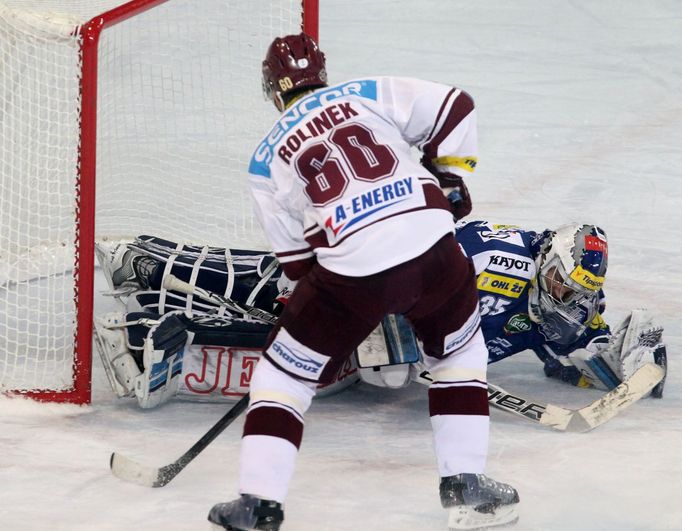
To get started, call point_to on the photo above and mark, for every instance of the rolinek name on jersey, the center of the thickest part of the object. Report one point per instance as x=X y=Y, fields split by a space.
x=264 y=153
x=361 y=206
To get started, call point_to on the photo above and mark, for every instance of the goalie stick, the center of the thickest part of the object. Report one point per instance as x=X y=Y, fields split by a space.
x=586 y=418
x=649 y=377
x=173 y=283
x=128 y=470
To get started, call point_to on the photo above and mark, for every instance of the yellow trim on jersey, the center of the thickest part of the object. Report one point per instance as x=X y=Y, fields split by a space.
x=502 y=227
x=465 y=163
x=508 y=286
x=587 y=279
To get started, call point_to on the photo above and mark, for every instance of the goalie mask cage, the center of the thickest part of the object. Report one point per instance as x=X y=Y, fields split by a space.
x=161 y=101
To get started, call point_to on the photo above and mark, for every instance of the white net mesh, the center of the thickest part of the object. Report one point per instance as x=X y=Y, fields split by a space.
x=179 y=112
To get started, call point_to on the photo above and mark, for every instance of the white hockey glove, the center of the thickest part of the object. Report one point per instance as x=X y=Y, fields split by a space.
x=634 y=342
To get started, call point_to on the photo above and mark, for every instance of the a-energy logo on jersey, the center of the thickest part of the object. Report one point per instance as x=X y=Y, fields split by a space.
x=262 y=157
x=360 y=207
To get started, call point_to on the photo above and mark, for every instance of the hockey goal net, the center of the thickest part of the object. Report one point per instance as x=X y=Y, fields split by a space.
x=118 y=119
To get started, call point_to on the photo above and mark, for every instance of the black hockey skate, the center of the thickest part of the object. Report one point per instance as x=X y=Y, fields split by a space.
x=476 y=501
x=247 y=513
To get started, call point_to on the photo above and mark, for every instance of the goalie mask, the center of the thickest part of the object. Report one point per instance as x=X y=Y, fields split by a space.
x=564 y=297
x=292 y=63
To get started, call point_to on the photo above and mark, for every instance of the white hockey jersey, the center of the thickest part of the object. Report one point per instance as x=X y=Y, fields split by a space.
x=336 y=178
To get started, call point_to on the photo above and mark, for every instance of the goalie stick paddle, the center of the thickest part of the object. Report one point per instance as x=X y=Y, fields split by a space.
x=173 y=283
x=128 y=470
x=586 y=418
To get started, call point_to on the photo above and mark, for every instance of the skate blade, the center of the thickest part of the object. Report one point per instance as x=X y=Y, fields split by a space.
x=218 y=527
x=468 y=518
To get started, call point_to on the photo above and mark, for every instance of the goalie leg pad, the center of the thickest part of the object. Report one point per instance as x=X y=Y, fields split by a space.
x=391 y=376
x=163 y=353
x=118 y=361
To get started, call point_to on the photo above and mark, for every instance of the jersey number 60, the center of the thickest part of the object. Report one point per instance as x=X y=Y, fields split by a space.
x=327 y=176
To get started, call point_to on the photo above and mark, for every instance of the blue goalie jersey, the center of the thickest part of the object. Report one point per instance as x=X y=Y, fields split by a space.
x=504 y=260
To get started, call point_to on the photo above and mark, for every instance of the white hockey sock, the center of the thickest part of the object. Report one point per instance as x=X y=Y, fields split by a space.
x=460 y=443
x=266 y=466
x=458 y=405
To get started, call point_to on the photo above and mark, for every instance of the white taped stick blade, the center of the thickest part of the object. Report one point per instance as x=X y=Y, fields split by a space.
x=640 y=383
x=128 y=470
x=556 y=417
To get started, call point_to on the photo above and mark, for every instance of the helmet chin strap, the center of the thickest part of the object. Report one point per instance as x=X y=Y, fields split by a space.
x=279 y=102
x=534 y=311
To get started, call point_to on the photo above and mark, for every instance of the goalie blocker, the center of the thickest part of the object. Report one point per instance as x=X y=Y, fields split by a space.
x=205 y=357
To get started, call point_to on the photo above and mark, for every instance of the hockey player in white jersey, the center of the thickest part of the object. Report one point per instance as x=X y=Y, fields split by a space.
x=366 y=231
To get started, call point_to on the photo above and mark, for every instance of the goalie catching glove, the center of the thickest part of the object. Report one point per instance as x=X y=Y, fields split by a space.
x=605 y=364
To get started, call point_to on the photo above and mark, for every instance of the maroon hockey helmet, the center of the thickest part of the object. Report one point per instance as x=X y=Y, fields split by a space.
x=292 y=63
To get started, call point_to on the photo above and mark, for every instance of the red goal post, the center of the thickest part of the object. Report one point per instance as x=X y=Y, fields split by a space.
x=119 y=118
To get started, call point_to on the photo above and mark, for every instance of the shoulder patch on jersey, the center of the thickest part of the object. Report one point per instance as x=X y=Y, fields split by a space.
x=518 y=323
x=510 y=236
x=264 y=154
x=504 y=285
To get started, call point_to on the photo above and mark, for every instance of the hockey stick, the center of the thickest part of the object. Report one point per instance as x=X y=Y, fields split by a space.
x=649 y=376
x=173 y=283
x=128 y=470
x=586 y=418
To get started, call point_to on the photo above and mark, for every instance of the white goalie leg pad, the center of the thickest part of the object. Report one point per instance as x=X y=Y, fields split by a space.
x=119 y=364
x=163 y=353
x=372 y=352
x=385 y=355
x=391 y=376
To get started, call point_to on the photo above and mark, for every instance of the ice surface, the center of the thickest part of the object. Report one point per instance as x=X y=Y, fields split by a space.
x=580 y=119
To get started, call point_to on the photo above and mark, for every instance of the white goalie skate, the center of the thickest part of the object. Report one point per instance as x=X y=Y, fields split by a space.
x=475 y=501
x=120 y=265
